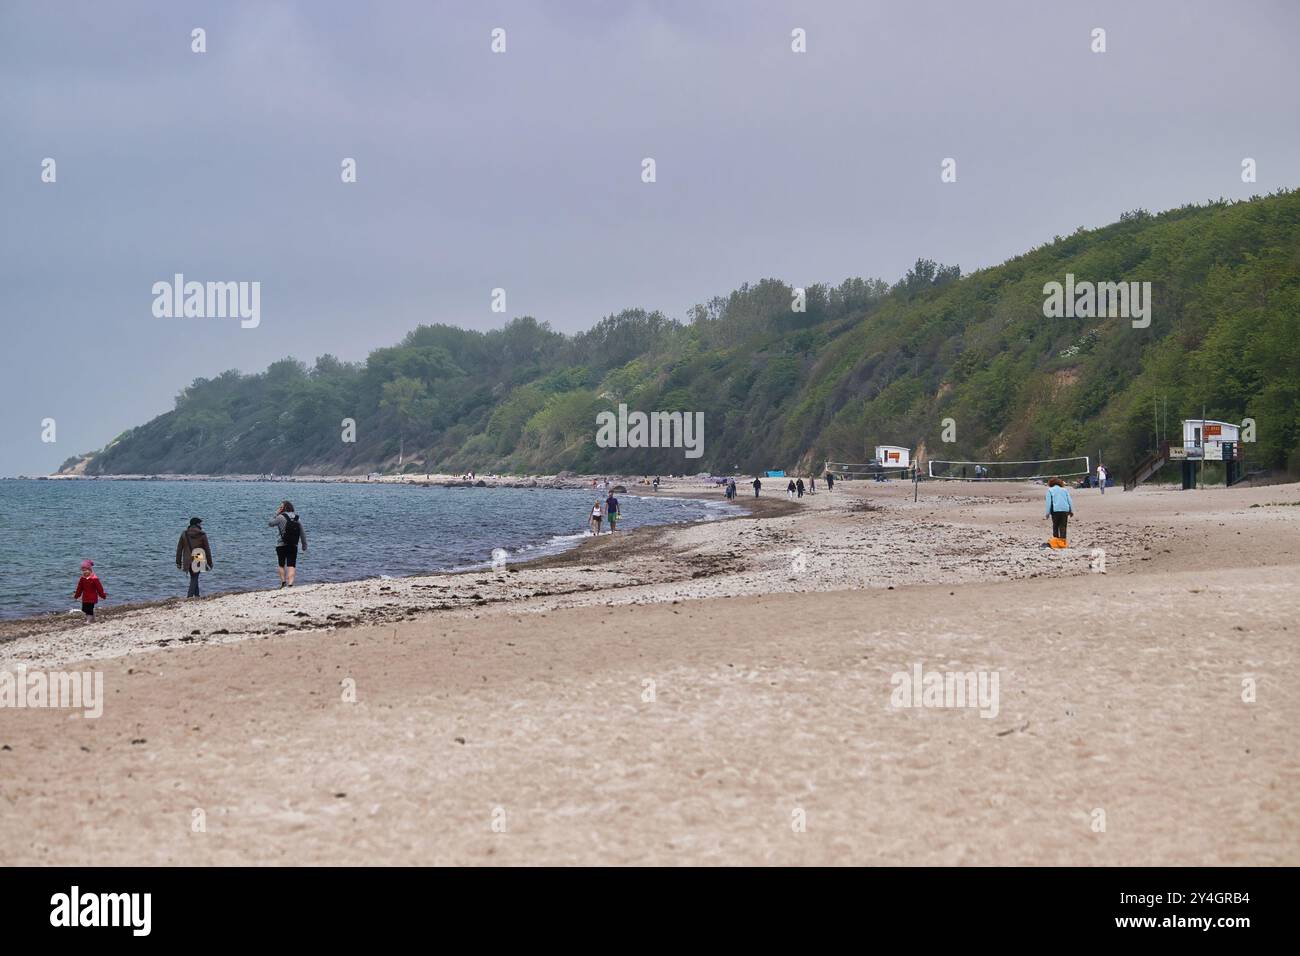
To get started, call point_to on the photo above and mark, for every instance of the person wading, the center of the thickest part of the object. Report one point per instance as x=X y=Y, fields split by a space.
x=194 y=554
x=290 y=533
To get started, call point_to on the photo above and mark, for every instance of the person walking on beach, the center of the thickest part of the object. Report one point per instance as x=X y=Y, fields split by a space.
x=90 y=589
x=656 y=483
x=798 y=487
x=830 y=482
x=758 y=485
x=611 y=512
x=595 y=517
x=290 y=534
x=193 y=553
x=789 y=490
x=1059 y=507
x=1101 y=477
x=812 y=485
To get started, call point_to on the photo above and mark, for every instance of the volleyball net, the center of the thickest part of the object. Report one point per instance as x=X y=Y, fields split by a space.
x=871 y=469
x=1037 y=470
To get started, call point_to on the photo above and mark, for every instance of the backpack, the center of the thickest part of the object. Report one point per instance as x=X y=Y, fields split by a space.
x=292 y=533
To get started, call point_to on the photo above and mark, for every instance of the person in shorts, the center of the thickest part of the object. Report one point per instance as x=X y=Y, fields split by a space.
x=290 y=535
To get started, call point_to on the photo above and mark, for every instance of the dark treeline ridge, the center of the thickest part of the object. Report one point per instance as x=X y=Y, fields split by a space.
x=866 y=363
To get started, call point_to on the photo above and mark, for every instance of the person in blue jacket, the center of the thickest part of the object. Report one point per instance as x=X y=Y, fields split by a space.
x=1059 y=507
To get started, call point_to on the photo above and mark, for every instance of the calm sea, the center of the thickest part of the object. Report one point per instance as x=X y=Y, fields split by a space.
x=130 y=530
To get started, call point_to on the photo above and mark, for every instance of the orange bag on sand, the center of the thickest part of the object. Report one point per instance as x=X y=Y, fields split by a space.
x=1058 y=543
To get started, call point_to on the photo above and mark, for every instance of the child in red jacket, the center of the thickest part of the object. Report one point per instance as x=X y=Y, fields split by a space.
x=89 y=589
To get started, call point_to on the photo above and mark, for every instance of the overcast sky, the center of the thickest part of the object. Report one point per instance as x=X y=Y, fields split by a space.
x=522 y=170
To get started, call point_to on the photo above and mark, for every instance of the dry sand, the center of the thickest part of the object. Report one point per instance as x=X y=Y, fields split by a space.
x=507 y=718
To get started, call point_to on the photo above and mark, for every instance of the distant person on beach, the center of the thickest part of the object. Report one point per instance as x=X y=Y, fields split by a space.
x=1101 y=478
x=799 y=487
x=789 y=489
x=758 y=486
x=611 y=512
x=595 y=517
x=1059 y=507
x=656 y=483
x=812 y=485
x=289 y=534
x=90 y=589
x=830 y=482
x=194 y=554
x=731 y=488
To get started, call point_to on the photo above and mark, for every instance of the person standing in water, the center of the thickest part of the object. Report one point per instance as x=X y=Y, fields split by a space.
x=289 y=534
x=595 y=517
x=194 y=554
x=1059 y=507
x=611 y=512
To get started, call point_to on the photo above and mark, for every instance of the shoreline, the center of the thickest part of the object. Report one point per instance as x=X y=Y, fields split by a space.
x=57 y=620
x=562 y=480
x=864 y=536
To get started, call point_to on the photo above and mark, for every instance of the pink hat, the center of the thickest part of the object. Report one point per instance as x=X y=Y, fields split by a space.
x=87 y=565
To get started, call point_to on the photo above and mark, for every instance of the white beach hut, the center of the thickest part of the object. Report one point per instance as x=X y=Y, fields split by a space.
x=893 y=456
x=1204 y=438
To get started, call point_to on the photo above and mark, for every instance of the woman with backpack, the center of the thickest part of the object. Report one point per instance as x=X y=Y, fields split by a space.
x=290 y=534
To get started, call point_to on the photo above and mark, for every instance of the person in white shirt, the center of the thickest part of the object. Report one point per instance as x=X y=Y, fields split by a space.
x=1101 y=478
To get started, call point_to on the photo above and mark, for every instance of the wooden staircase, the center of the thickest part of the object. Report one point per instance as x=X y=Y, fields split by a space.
x=1148 y=467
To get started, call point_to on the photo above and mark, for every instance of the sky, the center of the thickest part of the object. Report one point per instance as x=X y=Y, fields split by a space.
x=522 y=170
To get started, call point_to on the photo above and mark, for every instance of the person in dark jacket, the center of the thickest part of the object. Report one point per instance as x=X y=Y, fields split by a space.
x=194 y=540
x=830 y=481
x=798 y=487
x=289 y=534
x=758 y=486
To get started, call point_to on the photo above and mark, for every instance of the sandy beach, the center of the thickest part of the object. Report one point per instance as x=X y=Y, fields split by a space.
x=712 y=693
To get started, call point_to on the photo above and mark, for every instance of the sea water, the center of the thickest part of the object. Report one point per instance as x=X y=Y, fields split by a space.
x=130 y=529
